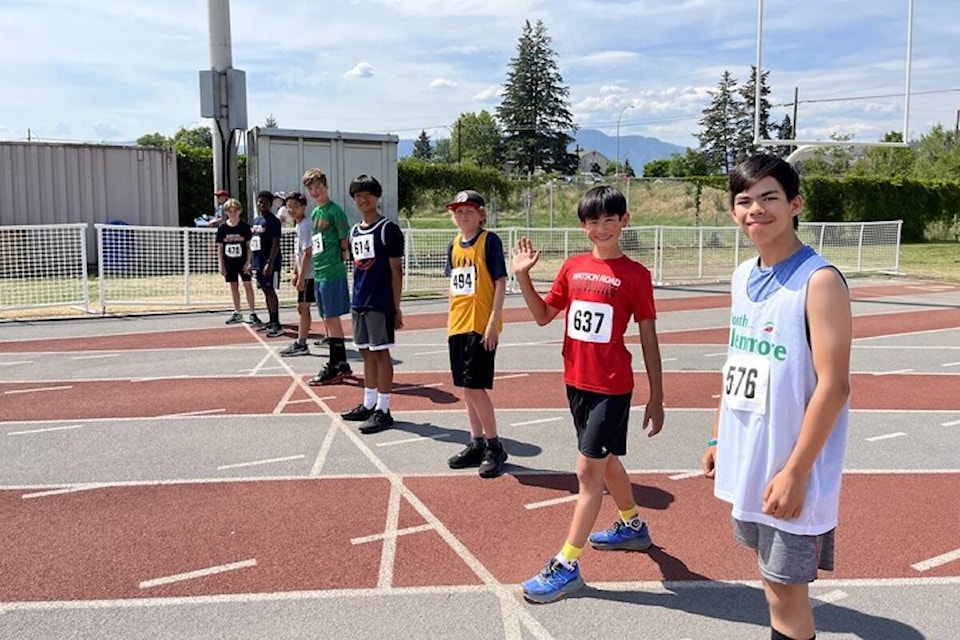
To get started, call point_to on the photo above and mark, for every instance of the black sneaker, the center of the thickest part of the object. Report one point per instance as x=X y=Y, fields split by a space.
x=322 y=341
x=471 y=456
x=255 y=320
x=330 y=374
x=236 y=318
x=296 y=349
x=358 y=414
x=377 y=422
x=274 y=331
x=492 y=464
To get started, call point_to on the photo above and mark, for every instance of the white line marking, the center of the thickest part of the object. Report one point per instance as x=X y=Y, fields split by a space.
x=256 y=463
x=46 y=430
x=155 y=378
x=684 y=476
x=715 y=396
x=96 y=357
x=417 y=439
x=891 y=373
x=199 y=573
x=828 y=598
x=11 y=364
x=388 y=551
x=38 y=389
x=408 y=387
x=305 y=400
x=400 y=532
x=898 y=434
x=63 y=491
x=431 y=353
x=541 y=421
x=668 y=359
x=715 y=355
x=277 y=410
x=511 y=376
x=946 y=364
x=950 y=424
x=550 y=503
x=204 y=412
x=950 y=556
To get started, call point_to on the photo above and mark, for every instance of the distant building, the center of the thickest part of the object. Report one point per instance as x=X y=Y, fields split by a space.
x=591 y=161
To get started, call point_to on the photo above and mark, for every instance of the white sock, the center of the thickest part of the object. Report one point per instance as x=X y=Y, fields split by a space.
x=562 y=559
x=369 y=397
x=383 y=402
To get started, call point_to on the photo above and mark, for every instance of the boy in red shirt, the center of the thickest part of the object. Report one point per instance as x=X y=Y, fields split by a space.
x=600 y=292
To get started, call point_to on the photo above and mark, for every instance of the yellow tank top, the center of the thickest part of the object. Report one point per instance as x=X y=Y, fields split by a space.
x=471 y=287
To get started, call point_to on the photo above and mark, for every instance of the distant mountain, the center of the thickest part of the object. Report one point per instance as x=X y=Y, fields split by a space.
x=639 y=150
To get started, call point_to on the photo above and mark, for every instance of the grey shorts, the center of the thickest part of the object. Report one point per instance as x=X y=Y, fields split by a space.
x=786 y=558
x=373 y=330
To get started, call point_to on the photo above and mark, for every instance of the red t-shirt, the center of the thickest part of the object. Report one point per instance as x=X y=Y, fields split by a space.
x=600 y=297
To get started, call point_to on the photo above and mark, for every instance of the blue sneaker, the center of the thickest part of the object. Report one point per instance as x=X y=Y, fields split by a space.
x=622 y=536
x=553 y=583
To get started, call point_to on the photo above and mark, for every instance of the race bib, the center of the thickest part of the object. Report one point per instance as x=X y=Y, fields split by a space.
x=745 y=381
x=232 y=250
x=463 y=281
x=362 y=247
x=255 y=243
x=317 y=242
x=589 y=321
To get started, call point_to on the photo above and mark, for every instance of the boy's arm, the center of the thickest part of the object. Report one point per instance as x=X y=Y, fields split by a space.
x=708 y=463
x=524 y=258
x=491 y=335
x=831 y=335
x=220 y=257
x=653 y=413
x=396 y=276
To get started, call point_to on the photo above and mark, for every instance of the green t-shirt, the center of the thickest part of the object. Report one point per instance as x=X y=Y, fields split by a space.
x=327 y=263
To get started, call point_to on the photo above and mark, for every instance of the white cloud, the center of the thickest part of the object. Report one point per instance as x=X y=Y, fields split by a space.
x=442 y=83
x=490 y=94
x=360 y=70
x=613 y=88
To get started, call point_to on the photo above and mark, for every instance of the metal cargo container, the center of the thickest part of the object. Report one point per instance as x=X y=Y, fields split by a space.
x=277 y=158
x=53 y=183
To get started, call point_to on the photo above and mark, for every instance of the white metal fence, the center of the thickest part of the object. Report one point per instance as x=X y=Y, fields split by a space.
x=155 y=268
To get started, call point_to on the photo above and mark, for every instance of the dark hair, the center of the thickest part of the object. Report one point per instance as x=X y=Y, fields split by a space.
x=602 y=200
x=756 y=168
x=265 y=194
x=365 y=184
x=296 y=195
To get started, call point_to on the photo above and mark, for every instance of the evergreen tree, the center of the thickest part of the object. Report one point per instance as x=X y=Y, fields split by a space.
x=534 y=111
x=745 y=146
x=785 y=132
x=720 y=121
x=270 y=122
x=421 y=148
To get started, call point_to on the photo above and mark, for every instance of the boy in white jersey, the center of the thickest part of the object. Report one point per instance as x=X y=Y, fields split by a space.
x=780 y=433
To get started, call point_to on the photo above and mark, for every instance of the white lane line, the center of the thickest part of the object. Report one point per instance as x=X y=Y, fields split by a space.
x=685 y=475
x=38 y=389
x=431 y=353
x=715 y=396
x=511 y=376
x=155 y=378
x=946 y=364
x=668 y=359
x=100 y=356
x=204 y=412
x=417 y=439
x=550 y=503
x=63 y=491
x=400 y=532
x=408 y=387
x=388 y=552
x=950 y=556
x=199 y=573
x=888 y=436
x=950 y=424
x=15 y=362
x=45 y=430
x=311 y=400
x=256 y=463
x=828 y=598
x=715 y=355
x=541 y=421
x=891 y=373
x=294 y=385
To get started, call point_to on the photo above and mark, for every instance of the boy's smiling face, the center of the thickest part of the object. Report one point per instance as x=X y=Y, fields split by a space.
x=763 y=211
x=468 y=219
x=366 y=202
x=604 y=232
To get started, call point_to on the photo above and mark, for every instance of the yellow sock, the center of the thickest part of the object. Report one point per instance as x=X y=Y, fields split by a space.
x=570 y=553
x=628 y=515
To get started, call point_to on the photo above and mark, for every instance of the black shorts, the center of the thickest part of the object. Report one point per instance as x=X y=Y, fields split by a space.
x=601 y=422
x=233 y=274
x=309 y=293
x=271 y=281
x=470 y=363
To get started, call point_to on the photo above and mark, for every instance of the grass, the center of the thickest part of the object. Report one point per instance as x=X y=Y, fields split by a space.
x=931 y=261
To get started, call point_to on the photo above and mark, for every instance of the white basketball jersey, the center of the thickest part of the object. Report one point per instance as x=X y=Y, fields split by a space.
x=768 y=381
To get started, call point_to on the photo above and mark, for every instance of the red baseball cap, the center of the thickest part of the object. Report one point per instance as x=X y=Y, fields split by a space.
x=221 y=192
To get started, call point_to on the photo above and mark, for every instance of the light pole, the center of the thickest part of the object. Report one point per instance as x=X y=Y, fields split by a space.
x=622 y=111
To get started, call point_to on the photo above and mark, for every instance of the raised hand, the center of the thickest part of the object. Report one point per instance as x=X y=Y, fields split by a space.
x=524 y=256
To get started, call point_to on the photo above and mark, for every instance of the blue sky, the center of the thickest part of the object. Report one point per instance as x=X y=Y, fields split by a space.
x=112 y=70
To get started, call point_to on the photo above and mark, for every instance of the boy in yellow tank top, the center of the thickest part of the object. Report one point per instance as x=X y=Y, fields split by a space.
x=478 y=283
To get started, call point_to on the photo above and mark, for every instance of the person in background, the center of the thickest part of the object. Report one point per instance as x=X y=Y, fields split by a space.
x=233 y=256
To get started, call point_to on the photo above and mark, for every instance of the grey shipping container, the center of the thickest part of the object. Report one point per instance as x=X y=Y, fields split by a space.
x=277 y=158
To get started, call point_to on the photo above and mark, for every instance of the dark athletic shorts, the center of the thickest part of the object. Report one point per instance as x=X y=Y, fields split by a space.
x=601 y=422
x=470 y=363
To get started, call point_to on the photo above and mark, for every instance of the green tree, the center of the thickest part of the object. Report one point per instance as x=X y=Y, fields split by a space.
x=885 y=162
x=745 y=146
x=421 y=148
x=784 y=131
x=534 y=113
x=270 y=122
x=199 y=137
x=937 y=155
x=829 y=161
x=657 y=168
x=154 y=140
x=444 y=151
x=718 y=139
x=478 y=139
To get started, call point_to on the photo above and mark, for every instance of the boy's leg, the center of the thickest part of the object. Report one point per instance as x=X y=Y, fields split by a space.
x=303 y=328
x=790 y=612
x=483 y=418
x=251 y=299
x=590 y=477
x=335 y=301
x=235 y=295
